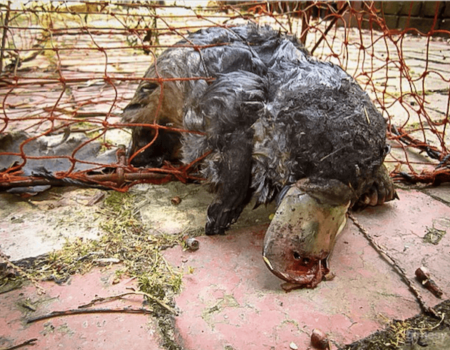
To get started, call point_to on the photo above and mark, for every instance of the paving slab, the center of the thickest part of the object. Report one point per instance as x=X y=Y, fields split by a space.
x=114 y=331
x=441 y=192
x=41 y=224
x=230 y=300
x=154 y=203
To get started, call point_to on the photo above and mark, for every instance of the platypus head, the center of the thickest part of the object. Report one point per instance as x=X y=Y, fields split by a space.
x=160 y=104
x=303 y=231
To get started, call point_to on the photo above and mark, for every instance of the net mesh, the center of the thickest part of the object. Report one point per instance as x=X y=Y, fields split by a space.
x=69 y=69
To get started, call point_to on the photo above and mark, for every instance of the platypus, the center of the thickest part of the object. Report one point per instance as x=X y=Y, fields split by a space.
x=163 y=100
x=277 y=125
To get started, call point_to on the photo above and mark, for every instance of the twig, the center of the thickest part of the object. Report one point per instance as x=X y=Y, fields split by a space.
x=88 y=311
x=167 y=265
x=5 y=33
x=424 y=277
x=33 y=280
x=28 y=342
x=84 y=257
x=115 y=297
x=396 y=265
x=333 y=21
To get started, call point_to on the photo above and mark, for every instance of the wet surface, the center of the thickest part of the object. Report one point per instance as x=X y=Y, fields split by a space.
x=229 y=298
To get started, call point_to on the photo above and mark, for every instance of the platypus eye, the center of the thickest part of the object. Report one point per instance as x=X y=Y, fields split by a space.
x=386 y=150
x=297 y=256
x=148 y=88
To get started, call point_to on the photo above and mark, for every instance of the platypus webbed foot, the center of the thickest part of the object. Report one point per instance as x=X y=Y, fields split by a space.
x=220 y=219
x=381 y=191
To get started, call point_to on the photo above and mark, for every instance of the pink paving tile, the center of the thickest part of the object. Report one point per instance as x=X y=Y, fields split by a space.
x=231 y=300
x=86 y=331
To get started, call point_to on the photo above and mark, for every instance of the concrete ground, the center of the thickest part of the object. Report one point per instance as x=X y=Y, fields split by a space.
x=228 y=299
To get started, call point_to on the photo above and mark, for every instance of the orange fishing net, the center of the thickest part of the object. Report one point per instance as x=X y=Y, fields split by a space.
x=69 y=69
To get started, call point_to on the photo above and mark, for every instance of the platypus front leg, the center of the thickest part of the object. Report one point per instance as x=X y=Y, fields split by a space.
x=382 y=190
x=231 y=172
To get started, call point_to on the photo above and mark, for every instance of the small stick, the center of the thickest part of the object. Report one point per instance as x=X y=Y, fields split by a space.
x=5 y=33
x=28 y=342
x=396 y=265
x=423 y=275
x=88 y=311
x=333 y=21
x=115 y=297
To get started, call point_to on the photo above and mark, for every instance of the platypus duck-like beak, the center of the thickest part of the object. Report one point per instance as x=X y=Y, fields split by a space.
x=302 y=235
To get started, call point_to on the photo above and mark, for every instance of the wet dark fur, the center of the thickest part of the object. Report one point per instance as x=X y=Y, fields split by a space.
x=273 y=116
x=241 y=48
